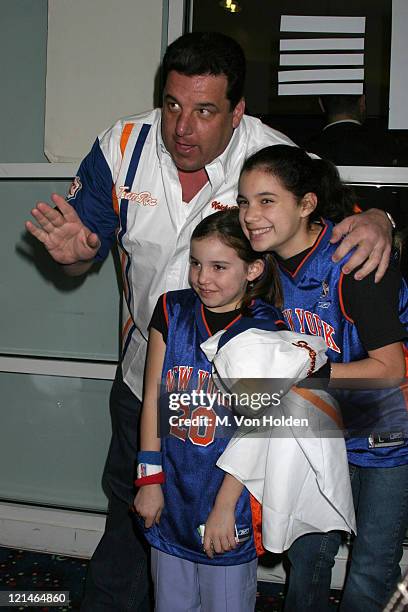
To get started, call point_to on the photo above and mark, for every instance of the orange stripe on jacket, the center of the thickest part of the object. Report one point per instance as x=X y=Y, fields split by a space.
x=126 y=132
x=256 y=510
x=115 y=200
x=126 y=327
x=320 y=404
x=123 y=261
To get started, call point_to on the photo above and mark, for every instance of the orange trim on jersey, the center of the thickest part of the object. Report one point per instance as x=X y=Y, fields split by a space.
x=312 y=250
x=405 y=349
x=205 y=320
x=206 y=324
x=166 y=314
x=127 y=130
x=280 y=321
x=340 y=292
x=356 y=208
x=126 y=327
x=256 y=511
x=320 y=404
x=233 y=321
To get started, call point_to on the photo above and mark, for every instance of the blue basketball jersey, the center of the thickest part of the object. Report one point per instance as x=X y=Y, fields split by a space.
x=314 y=305
x=193 y=445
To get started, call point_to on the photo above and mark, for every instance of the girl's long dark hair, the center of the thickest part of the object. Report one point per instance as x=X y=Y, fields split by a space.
x=300 y=174
x=225 y=226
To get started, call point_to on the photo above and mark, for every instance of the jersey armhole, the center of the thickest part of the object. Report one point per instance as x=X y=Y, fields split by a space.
x=341 y=301
x=165 y=311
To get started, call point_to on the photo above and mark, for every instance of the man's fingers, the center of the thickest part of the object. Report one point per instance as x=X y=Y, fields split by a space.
x=93 y=241
x=37 y=232
x=341 y=229
x=382 y=268
x=61 y=203
x=348 y=243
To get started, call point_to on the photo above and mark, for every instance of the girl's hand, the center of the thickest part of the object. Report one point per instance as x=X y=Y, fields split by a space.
x=149 y=503
x=219 y=535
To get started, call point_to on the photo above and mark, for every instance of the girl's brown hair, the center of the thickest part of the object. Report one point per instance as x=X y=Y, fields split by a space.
x=225 y=226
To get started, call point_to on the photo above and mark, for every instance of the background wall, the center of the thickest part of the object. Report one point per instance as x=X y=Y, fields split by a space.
x=107 y=73
x=23 y=45
x=55 y=430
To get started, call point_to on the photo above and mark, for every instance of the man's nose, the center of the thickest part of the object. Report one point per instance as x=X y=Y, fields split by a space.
x=184 y=125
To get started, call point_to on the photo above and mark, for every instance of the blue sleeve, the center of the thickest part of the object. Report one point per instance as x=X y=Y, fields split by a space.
x=91 y=196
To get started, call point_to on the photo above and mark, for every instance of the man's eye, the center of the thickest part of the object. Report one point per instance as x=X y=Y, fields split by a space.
x=173 y=106
x=218 y=267
x=194 y=264
x=204 y=112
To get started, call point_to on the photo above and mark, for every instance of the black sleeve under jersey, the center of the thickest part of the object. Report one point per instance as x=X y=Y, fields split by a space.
x=374 y=308
x=158 y=320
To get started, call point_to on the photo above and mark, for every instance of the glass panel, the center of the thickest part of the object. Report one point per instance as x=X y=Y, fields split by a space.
x=54 y=439
x=53 y=315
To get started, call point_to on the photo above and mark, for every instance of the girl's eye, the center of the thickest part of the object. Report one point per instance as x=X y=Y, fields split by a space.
x=194 y=264
x=218 y=267
x=242 y=203
x=267 y=201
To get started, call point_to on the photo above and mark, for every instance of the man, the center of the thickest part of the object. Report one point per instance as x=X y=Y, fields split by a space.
x=148 y=181
x=345 y=139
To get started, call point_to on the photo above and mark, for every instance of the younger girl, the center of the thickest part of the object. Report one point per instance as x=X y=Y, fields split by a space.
x=285 y=200
x=177 y=475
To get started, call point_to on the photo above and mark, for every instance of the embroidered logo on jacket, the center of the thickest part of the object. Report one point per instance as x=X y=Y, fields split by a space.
x=76 y=185
x=218 y=206
x=144 y=198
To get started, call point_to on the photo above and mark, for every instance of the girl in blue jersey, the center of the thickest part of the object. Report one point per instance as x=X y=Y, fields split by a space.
x=285 y=199
x=177 y=475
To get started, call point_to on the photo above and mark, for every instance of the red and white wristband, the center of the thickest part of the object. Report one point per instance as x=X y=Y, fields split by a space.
x=149 y=468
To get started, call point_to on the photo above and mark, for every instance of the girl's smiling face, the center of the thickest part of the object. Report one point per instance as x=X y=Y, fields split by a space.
x=271 y=217
x=218 y=275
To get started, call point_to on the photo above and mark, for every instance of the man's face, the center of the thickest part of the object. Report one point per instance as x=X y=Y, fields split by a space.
x=197 y=121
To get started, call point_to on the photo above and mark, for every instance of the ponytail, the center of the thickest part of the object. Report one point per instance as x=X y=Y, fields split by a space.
x=266 y=287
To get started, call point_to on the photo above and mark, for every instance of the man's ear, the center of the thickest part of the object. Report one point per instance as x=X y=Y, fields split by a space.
x=308 y=203
x=238 y=113
x=255 y=269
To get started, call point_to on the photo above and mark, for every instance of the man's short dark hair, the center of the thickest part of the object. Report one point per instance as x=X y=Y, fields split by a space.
x=199 y=53
x=339 y=104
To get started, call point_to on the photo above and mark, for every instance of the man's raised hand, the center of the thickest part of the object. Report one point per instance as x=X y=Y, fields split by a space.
x=62 y=232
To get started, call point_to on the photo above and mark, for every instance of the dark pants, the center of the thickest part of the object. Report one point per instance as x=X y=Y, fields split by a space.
x=117 y=579
x=381 y=503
